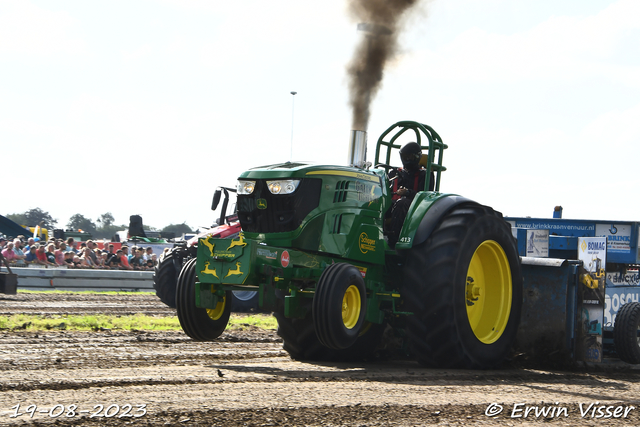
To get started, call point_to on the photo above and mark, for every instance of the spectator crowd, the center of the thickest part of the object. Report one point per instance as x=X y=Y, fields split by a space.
x=60 y=253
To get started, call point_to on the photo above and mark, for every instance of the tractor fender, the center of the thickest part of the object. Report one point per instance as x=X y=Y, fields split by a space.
x=434 y=214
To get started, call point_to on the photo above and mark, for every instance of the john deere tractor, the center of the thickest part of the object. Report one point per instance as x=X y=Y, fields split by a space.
x=314 y=246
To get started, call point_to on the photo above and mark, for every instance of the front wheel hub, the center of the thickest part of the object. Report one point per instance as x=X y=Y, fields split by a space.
x=351 y=304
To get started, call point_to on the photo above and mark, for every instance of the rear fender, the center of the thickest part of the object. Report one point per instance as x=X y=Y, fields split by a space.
x=426 y=211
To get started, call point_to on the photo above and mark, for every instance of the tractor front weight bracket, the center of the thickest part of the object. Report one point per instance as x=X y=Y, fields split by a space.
x=274 y=280
x=207 y=296
x=292 y=306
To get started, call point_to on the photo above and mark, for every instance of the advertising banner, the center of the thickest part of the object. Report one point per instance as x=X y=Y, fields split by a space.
x=615 y=299
x=592 y=251
x=538 y=243
x=618 y=237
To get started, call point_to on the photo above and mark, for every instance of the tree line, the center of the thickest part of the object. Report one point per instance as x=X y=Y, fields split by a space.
x=102 y=228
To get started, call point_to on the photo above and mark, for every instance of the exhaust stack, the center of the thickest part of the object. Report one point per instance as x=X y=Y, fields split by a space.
x=357 y=148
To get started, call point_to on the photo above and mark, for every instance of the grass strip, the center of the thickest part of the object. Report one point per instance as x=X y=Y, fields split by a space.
x=99 y=322
x=58 y=292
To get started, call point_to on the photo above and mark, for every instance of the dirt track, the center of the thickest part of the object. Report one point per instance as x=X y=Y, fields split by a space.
x=246 y=378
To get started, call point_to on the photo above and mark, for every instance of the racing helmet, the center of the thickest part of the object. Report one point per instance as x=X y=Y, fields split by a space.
x=410 y=155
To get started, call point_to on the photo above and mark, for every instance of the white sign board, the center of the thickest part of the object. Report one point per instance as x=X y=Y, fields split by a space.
x=618 y=236
x=592 y=251
x=538 y=243
x=615 y=299
x=630 y=278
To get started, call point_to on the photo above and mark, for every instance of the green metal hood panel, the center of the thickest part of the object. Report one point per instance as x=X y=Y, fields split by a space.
x=348 y=219
x=301 y=170
x=423 y=201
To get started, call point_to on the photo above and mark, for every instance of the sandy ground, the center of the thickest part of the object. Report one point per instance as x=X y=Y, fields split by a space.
x=107 y=378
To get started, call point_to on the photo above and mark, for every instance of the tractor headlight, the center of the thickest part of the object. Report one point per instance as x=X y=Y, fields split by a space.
x=284 y=186
x=246 y=187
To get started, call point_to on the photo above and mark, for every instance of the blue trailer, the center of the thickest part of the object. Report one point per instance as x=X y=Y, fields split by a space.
x=568 y=309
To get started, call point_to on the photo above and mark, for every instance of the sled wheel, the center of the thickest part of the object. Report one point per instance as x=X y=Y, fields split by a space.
x=199 y=323
x=626 y=333
x=339 y=306
x=464 y=288
x=302 y=343
x=165 y=277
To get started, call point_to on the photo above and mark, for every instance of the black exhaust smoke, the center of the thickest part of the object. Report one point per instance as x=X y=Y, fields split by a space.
x=383 y=20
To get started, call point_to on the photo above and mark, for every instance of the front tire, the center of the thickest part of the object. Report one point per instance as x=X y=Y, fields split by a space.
x=199 y=323
x=339 y=306
x=464 y=286
x=301 y=341
x=626 y=333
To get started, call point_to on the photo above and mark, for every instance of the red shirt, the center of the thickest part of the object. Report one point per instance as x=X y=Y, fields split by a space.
x=124 y=261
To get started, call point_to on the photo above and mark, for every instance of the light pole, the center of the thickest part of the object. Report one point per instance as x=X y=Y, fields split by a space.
x=293 y=101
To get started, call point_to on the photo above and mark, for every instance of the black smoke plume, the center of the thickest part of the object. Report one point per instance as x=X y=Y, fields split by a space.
x=382 y=22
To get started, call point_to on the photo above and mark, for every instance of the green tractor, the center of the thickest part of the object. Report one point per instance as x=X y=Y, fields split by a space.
x=314 y=246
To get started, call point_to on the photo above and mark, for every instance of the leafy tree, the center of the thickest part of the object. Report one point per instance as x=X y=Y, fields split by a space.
x=108 y=232
x=178 y=229
x=20 y=219
x=106 y=220
x=34 y=217
x=106 y=228
x=79 y=222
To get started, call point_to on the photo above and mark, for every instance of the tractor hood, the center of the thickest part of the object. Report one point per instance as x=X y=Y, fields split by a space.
x=315 y=208
x=309 y=170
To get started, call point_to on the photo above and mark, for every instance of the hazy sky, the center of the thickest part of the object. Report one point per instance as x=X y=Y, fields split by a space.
x=144 y=107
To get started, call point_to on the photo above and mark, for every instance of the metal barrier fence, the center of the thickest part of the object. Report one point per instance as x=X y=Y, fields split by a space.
x=77 y=280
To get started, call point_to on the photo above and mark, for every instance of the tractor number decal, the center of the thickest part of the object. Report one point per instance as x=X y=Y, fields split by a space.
x=235 y=272
x=208 y=270
x=366 y=244
x=262 y=203
x=284 y=259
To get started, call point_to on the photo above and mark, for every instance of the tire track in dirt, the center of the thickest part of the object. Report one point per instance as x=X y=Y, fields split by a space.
x=245 y=378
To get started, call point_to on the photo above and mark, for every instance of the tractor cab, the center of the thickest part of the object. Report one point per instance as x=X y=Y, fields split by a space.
x=426 y=144
x=428 y=139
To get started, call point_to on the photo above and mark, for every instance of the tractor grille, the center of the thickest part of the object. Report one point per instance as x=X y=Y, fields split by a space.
x=263 y=212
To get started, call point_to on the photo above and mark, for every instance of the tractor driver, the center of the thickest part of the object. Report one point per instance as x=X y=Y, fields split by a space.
x=407 y=181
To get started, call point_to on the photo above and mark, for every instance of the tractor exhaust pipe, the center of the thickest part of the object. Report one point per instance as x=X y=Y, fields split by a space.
x=357 y=148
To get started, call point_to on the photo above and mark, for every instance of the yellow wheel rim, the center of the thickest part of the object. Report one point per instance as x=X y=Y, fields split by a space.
x=351 y=307
x=488 y=292
x=216 y=313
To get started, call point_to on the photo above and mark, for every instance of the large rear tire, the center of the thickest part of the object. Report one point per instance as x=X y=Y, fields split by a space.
x=464 y=286
x=199 y=323
x=626 y=333
x=165 y=277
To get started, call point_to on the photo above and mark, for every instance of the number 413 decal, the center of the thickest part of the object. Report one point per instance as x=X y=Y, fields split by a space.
x=405 y=240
